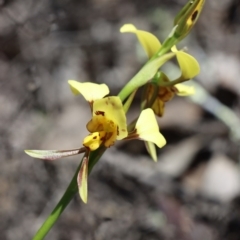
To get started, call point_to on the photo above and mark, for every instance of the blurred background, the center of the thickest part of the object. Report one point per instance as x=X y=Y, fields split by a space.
x=192 y=193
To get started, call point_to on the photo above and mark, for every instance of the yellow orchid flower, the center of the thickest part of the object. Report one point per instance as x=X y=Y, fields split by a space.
x=188 y=65
x=164 y=94
x=107 y=125
x=189 y=69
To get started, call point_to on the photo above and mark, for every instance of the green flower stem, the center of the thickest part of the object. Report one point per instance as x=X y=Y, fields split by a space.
x=167 y=45
x=146 y=73
x=67 y=196
x=62 y=204
x=131 y=126
x=94 y=157
x=130 y=86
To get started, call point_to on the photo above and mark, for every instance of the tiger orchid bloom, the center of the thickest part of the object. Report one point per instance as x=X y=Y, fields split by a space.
x=108 y=124
x=166 y=89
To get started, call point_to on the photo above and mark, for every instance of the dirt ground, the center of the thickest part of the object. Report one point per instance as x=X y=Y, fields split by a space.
x=191 y=193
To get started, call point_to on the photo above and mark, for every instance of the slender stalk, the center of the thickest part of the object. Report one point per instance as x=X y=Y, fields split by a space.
x=94 y=157
x=67 y=196
x=62 y=204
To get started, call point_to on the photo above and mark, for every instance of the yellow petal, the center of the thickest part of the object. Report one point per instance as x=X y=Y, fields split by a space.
x=112 y=109
x=93 y=140
x=82 y=180
x=184 y=90
x=188 y=64
x=90 y=91
x=151 y=150
x=147 y=128
x=174 y=49
x=148 y=41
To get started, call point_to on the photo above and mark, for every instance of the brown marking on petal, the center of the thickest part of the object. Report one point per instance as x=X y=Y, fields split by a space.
x=117 y=130
x=165 y=93
x=194 y=16
x=123 y=130
x=95 y=137
x=100 y=113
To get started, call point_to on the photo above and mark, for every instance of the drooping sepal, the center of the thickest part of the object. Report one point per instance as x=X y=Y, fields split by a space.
x=54 y=154
x=82 y=180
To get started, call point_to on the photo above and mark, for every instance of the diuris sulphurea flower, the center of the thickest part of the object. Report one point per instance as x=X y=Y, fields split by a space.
x=166 y=89
x=160 y=89
x=108 y=124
